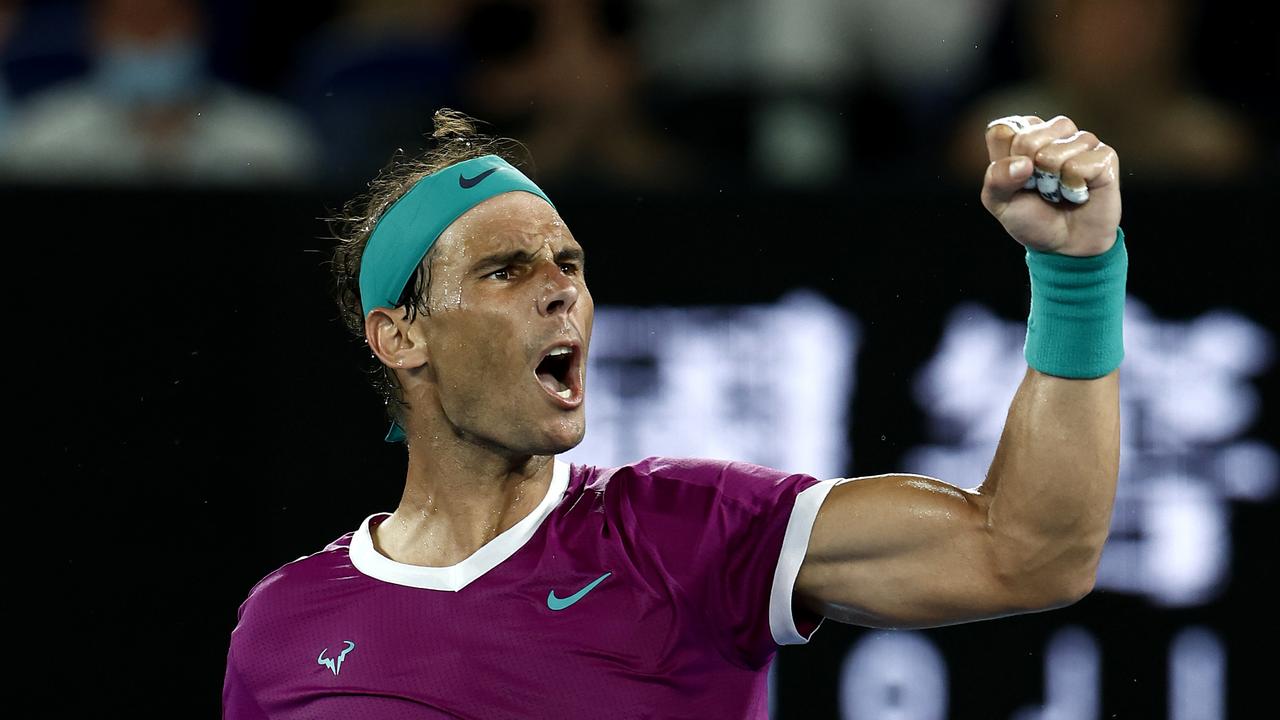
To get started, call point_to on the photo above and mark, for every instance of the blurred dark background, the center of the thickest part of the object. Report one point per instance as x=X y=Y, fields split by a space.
x=624 y=94
x=166 y=165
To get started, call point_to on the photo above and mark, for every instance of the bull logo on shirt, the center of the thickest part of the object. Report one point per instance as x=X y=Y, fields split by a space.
x=335 y=665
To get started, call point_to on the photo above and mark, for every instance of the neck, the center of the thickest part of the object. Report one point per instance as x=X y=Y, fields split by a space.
x=458 y=496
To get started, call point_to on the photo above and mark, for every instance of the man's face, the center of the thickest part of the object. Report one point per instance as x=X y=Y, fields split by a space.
x=507 y=286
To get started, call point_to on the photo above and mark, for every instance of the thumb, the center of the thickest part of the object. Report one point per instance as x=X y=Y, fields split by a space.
x=1005 y=177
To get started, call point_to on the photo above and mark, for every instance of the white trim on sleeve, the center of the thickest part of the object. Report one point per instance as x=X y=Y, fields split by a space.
x=795 y=543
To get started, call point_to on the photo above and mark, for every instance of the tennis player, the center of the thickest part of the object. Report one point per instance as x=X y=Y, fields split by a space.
x=510 y=584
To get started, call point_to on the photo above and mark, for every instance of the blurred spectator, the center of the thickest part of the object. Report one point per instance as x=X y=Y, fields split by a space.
x=1116 y=69
x=903 y=62
x=563 y=77
x=149 y=111
x=371 y=78
x=775 y=75
x=830 y=86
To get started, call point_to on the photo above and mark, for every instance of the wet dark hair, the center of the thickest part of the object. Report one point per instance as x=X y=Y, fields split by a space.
x=455 y=140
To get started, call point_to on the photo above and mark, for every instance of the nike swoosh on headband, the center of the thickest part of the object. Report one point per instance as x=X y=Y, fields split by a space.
x=472 y=182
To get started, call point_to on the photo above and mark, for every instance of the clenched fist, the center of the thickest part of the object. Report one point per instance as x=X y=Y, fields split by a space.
x=1084 y=166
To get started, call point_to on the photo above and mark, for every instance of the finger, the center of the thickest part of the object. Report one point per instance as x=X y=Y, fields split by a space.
x=1030 y=142
x=1091 y=169
x=1048 y=167
x=1000 y=133
x=1052 y=156
x=1000 y=136
x=1004 y=179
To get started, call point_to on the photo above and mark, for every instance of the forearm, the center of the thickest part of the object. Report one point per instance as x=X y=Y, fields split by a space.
x=1052 y=484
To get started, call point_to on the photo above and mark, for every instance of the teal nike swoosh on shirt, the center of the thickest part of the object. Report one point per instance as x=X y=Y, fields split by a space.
x=556 y=603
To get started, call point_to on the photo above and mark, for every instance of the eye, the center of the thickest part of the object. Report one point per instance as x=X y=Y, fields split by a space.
x=504 y=271
x=572 y=268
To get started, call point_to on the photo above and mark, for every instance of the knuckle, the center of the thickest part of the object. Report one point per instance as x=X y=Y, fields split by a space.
x=1001 y=129
x=1080 y=138
x=1013 y=122
x=1028 y=143
x=1061 y=121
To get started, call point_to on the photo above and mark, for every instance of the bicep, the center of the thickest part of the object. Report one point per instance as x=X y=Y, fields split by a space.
x=905 y=551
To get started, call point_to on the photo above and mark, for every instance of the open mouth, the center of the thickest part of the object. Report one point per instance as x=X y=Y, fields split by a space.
x=558 y=374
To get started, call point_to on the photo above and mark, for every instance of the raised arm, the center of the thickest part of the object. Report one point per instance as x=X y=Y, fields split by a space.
x=914 y=551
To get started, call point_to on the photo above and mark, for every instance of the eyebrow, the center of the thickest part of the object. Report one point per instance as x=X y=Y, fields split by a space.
x=523 y=256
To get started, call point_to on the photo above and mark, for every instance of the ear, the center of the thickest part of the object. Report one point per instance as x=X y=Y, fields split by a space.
x=395 y=341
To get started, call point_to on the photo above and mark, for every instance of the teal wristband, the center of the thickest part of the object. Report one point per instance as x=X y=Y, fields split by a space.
x=1074 y=329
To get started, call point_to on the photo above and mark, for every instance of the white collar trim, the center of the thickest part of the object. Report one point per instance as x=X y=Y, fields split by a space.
x=369 y=561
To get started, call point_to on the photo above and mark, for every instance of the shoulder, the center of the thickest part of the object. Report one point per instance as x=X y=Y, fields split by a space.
x=728 y=475
x=289 y=583
x=666 y=479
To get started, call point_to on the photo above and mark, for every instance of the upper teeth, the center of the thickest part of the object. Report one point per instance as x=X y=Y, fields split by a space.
x=559 y=351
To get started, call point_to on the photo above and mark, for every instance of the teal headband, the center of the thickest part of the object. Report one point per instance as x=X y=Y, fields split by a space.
x=409 y=228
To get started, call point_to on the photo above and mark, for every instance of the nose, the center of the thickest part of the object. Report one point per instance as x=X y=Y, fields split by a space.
x=559 y=294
